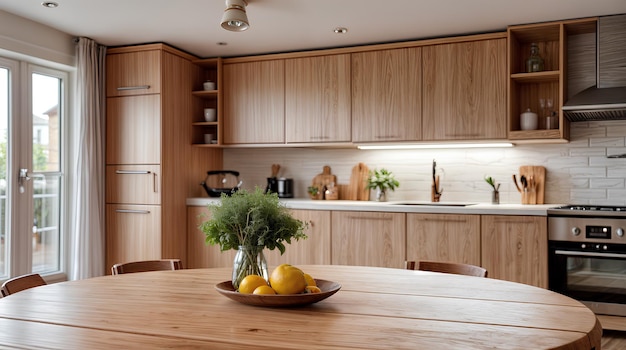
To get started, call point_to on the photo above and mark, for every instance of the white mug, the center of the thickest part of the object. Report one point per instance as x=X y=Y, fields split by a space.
x=210 y=114
x=528 y=120
x=208 y=85
x=208 y=138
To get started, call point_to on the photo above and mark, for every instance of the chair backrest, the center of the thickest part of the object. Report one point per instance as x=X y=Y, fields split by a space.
x=20 y=283
x=448 y=267
x=147 y=265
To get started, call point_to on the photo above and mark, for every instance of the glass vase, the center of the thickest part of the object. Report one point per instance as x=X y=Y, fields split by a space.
x=381 y=195
x=249 y=260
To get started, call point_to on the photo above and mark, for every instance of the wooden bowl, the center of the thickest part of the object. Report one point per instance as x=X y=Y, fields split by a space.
x=327 y=288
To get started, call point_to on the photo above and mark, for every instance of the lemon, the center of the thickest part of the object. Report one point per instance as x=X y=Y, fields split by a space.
x=287 y=279
x=264 y=290
x=249 y=283
x=312 y=289
x=310 y=281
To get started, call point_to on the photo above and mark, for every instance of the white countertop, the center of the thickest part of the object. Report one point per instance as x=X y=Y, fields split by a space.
x=397 y=206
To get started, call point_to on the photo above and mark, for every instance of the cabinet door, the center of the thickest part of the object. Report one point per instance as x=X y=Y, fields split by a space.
x=443 y=237
x=133 y=184
x=465 y=91
x=315 y=250
x=317 y=102
x=368 y=238
x=200 y=254
x=254 y=102
x=133 y=130
x=515 y=248
x=387 y=95
x=133 y=233
x=133 y=73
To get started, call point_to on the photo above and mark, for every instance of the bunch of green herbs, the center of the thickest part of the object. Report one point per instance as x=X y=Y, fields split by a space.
x=251 y=219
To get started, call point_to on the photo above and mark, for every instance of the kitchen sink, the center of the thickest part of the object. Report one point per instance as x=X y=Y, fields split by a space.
x=433 y=204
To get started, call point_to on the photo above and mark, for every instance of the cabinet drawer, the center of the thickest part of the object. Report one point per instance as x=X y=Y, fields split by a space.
x=133 y=130
x=133 y=184
x=133 y=73
x=133 y=233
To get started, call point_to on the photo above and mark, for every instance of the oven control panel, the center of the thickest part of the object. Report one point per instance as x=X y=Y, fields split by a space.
x=587 y=230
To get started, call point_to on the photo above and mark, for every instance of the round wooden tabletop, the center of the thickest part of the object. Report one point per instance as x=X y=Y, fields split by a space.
x=375 y=308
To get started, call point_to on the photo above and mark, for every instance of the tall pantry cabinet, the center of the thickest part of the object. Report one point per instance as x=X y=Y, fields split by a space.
x=151 y=166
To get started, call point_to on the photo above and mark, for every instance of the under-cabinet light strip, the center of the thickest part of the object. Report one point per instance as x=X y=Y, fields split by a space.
x=441 y=145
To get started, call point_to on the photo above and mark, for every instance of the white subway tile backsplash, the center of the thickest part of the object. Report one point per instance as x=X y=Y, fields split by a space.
x=577 y=172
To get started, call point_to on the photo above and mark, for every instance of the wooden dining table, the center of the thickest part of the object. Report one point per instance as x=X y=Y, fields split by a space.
x=376 y=308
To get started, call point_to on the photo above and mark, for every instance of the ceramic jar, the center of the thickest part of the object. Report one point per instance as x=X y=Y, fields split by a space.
x=528 y=120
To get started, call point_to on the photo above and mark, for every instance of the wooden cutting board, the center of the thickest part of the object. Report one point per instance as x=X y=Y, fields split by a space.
x=536 y=179
x=323 y=179
x=357 y=189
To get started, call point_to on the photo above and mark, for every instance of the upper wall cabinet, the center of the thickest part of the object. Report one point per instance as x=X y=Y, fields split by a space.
x=254 y=102
x=465 y=90
x=562 y=46
x=134 y=73
x=387 y=95
x=317 y=99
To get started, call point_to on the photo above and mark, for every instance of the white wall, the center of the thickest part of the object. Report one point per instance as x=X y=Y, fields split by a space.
x=577 y=172
x=21 y=37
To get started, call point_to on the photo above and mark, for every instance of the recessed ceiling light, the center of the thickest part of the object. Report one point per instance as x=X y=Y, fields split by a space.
x=221 y=43
x=340 y=30
x=50 y=4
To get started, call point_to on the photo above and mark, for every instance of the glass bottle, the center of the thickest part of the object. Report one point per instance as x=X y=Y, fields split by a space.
x=534 y=63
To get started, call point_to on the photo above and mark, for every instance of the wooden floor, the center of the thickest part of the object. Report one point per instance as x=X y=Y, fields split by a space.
x=613 y=340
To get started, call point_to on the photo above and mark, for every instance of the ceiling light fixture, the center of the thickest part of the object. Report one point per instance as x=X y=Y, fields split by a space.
x=340 y=30
x=438 y=145
x=50 y=4
x=235 y=18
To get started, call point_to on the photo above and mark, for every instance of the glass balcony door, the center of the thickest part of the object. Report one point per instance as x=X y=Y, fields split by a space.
x=32 y=110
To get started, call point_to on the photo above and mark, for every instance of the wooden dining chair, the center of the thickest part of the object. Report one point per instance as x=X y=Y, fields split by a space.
x=447 y=267
x=18 y=284
x=147 y=265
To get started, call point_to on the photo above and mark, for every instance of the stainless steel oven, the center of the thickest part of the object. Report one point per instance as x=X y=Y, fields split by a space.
x=587 y=256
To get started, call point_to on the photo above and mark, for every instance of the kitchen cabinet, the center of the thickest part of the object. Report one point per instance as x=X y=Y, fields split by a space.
x=151 y=166
x=254 y=102
x=133 y=124
x=133 y=233
x=554 y=40
x=387 y=95
x=464 y=90
x=368 y=238
x=443 y=237
x=210 y=70
x=313 y=250
x=515 y=248
x=200 y=254
x=134 y=73
x=317 y=99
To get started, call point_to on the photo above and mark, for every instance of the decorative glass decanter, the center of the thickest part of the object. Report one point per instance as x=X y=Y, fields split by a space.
x=534 y=63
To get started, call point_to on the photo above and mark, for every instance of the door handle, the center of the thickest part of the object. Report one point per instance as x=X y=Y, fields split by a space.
x=22 y=178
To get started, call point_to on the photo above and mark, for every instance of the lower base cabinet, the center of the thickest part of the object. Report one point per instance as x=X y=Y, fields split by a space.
x=368 y=238
x=515 y=248
x=443 y=237
x=315 y=250
x=133 y=233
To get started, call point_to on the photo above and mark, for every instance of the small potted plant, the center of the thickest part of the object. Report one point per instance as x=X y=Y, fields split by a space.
x=382 y=180
x=249 y=222
x=495 y=195
x=313 y=192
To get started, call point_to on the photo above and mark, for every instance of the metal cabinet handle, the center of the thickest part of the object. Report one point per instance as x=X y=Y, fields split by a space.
x=132 y=211
x=132 y=172
x=139 y=87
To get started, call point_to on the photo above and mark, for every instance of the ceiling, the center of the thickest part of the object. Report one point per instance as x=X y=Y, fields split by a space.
x=294 y=25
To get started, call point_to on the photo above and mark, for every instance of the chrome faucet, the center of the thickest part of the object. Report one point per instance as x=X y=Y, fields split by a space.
x=435 y=192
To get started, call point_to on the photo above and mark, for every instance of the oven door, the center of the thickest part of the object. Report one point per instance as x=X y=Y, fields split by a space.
x=597 y=279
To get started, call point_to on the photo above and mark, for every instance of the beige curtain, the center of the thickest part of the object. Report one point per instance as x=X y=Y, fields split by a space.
x=88 y=216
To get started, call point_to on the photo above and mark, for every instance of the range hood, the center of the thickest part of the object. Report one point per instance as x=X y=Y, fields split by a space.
x=607 y=99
